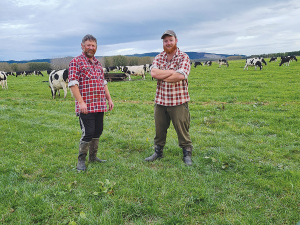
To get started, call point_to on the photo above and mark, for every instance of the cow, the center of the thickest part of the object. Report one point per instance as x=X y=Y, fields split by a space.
x=49 y=71
x=37 y=72
x=197 y=64
x=10 y=73
x=112 y=68
x=207 y=63
x=293 y=57
x=147 y=68
x=26 y=73
x=285 y=60
x=223 y=62
x=59 y=80
x=257 y=62
x=273 y=59
x=19 y=73
x=3 y=80
x=134 y=70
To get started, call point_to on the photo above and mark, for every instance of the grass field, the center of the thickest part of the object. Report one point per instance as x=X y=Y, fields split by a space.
x=245 y=129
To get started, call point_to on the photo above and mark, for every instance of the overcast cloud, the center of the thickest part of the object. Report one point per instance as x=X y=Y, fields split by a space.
x=36 y=29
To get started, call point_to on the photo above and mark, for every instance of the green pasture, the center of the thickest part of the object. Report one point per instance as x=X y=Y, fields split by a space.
x=245 y=129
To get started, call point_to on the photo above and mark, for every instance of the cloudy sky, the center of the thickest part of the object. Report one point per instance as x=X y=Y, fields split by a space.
x=36 y=29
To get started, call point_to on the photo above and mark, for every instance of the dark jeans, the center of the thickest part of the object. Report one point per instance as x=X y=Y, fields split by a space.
x=91 y=125
x=180 y=117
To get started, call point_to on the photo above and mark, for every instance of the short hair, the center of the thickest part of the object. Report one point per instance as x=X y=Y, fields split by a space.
x=89 y=37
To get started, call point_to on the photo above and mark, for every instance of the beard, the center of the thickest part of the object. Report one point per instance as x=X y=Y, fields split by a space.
x=89 y=53
x=170 y=50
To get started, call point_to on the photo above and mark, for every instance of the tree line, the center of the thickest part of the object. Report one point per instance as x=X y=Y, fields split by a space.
x=296 y=53
x=63 y=63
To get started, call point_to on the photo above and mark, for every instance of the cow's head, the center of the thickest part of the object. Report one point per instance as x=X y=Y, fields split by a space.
x=264 y=61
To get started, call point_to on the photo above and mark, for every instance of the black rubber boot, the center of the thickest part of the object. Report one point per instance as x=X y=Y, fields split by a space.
x=187 y=154
x=93 y=151
x=158 y=154
x=83 y=149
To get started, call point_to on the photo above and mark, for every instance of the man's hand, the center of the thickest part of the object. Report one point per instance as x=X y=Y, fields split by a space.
x=110 y=105
x=82 y=107
x=175 y=77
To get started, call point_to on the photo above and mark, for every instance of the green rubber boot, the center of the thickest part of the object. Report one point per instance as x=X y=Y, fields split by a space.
x=83 y=149
x=93 y=151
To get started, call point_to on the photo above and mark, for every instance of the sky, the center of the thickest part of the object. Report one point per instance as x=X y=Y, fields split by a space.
x=46 y=29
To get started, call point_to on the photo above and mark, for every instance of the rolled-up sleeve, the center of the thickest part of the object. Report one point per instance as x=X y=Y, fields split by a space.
x=184 y=66
x=73 y=73
x=154 y=64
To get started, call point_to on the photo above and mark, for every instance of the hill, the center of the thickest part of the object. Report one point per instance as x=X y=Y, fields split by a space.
x=192 y=55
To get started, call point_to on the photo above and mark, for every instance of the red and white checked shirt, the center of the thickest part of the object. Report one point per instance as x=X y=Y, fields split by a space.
x=90 y=79
x=172 y=94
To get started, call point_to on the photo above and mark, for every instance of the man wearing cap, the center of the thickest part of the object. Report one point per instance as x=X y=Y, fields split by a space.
x=171 y=69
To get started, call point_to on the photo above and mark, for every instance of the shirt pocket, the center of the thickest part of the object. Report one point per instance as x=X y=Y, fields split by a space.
x=86 y=72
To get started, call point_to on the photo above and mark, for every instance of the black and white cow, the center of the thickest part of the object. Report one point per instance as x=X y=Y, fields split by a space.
x=147 y=68
x=59 y=80
x=3 y=80
x=37 y=72
x=112 y=68
x=134 y=71
x=223 y=62
x=273 y=59
x=197 y=64
x=10 y=74
x=207 y=63
x=19 y=73
x=293 y=57
x=49 y=71
x=285 y=60
x=28 y=72
x=257 y=62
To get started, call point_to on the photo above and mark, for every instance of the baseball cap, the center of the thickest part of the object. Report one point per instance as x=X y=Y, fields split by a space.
x=168 y=32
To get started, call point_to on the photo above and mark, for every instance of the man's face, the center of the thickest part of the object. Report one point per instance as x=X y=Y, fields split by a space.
x=89 y=48
x=170 y=44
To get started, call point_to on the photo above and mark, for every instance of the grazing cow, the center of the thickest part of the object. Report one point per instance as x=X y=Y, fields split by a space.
x=134 y=70
x=285 y=60
x=257 y=62
x=3 y=80
x=223 y=62
x=37 y=72
x=26 y=73
x=207 y=63
x=293 y=57
x=10 y=73
x=273 y=59
x=19 y=73
x=59 y=80
x=197 y=64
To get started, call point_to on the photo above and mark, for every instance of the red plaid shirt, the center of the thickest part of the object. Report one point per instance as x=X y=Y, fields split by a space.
x=172 y=94
x=90 y=79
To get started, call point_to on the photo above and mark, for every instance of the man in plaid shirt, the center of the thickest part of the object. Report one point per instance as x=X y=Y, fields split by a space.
x=89 y=87
x=171 y=69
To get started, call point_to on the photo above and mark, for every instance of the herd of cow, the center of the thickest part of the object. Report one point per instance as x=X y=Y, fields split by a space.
x=257 y=62
x=59 y=79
